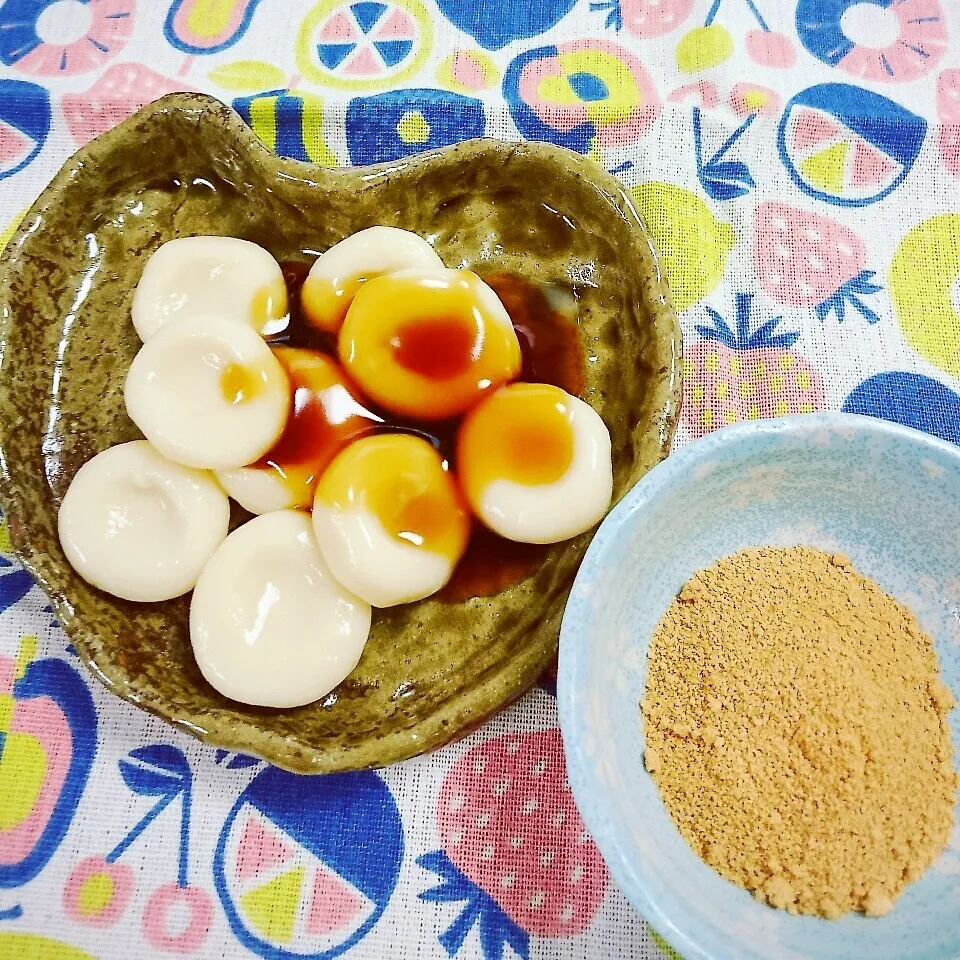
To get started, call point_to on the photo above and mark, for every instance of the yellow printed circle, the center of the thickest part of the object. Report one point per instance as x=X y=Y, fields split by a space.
x=413 y=128
x=923 y=273
x=331 y=24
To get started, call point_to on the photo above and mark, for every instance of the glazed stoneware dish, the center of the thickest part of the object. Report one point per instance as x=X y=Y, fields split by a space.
x=187 y=165
x=888 y=497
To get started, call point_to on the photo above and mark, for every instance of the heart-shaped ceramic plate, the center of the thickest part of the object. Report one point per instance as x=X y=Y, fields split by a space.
x=188 y=165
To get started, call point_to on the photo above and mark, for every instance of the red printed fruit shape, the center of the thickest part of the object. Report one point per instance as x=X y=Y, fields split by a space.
x=745 y=372
x=807 y=260
x=515 y=852
x=48 y=735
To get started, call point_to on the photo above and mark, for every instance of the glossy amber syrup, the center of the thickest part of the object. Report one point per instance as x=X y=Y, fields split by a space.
x=438 y=348
x=549 y=337
x=552 y=353
x=239 y=383
x=325 y=416
x=427 y=345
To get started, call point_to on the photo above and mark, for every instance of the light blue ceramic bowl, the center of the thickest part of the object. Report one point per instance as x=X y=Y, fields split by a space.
x=887 y=496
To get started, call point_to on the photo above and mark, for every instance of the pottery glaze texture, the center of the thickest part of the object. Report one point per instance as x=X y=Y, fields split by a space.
x=188 y=165
x=888 y=497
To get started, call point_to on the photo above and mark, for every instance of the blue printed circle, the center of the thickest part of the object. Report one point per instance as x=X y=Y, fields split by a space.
x=910 y=399
x=512 y=20
x=24 y=124
x=396 y=124
x=305 y=866
x=846 y=145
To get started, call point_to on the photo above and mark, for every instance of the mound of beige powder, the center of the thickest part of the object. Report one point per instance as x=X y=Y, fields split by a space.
x=796 y=728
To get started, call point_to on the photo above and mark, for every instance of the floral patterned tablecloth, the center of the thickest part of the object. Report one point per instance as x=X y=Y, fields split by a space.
x=798 y=164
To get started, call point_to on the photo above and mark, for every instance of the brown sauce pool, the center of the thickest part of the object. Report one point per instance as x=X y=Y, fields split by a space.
x=546 y=326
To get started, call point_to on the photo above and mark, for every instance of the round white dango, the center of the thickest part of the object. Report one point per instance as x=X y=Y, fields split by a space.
x=428 y=344
x=269 y=624
x=140 y=526
x=261 y=490
x=194 y=276
x=389 y=519
x=208 y=392
x=535 y=464
x=337 y=274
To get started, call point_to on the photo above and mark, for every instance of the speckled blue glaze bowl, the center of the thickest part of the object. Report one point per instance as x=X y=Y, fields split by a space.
x=887 y=496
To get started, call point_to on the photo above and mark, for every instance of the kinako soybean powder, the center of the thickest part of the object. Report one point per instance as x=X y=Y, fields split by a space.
x=796 y=728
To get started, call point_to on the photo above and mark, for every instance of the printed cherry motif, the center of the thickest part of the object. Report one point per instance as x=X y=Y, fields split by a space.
x=163 y=903
x=712 y=44
x=515 y=852
x=704 y=47
x=98 y=891
x=162 y=771
x=99 y=888
x=752 y=98
x=703 y=92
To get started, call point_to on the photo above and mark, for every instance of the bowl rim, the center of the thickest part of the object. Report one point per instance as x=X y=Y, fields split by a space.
x=626 y=866
x=497 y=688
